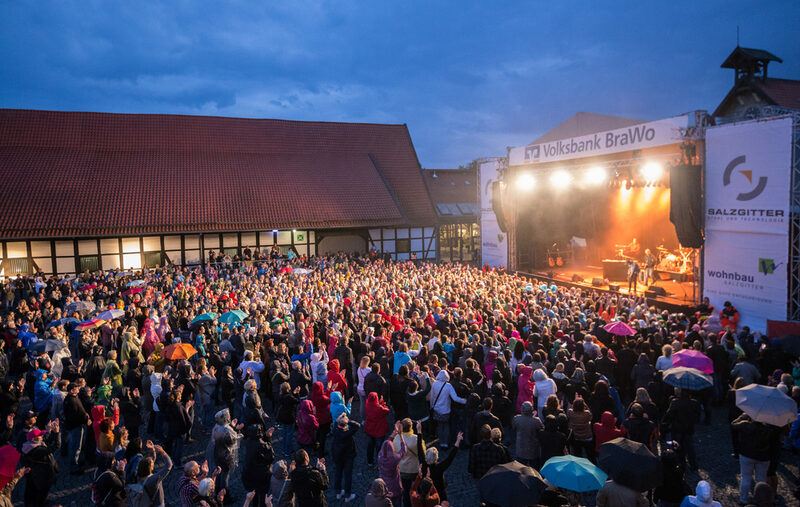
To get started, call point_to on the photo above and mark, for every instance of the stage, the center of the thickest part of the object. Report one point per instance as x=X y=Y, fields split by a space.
x=678 y=296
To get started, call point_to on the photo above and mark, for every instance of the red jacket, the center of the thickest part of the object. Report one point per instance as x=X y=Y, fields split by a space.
x=307 y=423
x=322 y=403
x=336 y=378
x=98 y=414
x=375 y=412
x=606 y=430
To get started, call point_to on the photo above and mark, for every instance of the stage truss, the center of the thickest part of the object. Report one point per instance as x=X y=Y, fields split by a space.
x=794 y=226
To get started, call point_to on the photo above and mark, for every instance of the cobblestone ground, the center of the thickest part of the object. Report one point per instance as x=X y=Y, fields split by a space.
x=713 y=449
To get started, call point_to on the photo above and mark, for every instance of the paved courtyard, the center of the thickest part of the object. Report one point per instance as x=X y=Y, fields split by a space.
x=713 y=448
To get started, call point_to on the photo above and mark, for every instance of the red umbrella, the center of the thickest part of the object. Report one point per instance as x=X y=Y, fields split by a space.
x=9 y=457
x=89 y=324
x=620 y=328
x=691 y=358
x=133 y=291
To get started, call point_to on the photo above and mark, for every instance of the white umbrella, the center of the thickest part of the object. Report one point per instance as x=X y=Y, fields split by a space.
x=110 y=314
x=767 y=405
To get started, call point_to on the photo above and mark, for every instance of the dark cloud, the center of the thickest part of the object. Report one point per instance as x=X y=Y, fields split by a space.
x=469 y=78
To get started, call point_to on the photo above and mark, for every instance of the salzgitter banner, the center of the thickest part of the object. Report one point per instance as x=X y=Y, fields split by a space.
x=494 y=242
x=748 y=177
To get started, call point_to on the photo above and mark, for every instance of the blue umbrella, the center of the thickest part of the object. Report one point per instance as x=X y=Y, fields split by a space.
x=62 y=322
x=573 y=473
x=232 y=317
x=123 y=273
x=202 y=317
x=50 y=345
x=110 y=314
x=687 y=378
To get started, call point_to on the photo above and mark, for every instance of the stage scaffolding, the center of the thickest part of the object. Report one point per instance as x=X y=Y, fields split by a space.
x=794 y=227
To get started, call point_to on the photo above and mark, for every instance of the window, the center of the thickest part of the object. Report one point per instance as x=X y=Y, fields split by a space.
x=88 y=262
x=15 y=267
x=403 y=245
x=153 y=259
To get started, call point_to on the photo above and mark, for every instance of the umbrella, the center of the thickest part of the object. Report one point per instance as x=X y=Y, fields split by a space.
x=790 y=343
x=123 y=273
x=687 y=378
x=573 y=473
x=693 y=359
x=80 y=306
x=233 y=317
x=521 y=485
x=619 y=328
x=50 y=345
x=133 y=291
x=203 y=316
x=767 y=405
x=9 y=457
x=301 y=271
x=90 y=324
x=110 y=314
x=68 y=279
x=178 y=351
x=62 y=321
x=136 y=283
x=630 y=463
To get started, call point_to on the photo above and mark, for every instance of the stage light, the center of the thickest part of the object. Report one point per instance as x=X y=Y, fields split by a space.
x=596 y=176
x=560 y=179
x=652 y=171
x=526 y=182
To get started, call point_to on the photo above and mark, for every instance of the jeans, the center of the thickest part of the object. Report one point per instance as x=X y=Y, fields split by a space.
x=288 y=435
x=345 y=470
x=223 y=479
x=373 y=447
x=578 y=446
x=748 y=467
x=176 y=449
x=407 y=480
x=75 y=443
x=443 y=432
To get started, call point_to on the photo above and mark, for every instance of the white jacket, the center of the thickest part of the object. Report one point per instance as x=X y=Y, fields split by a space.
x=442 y=403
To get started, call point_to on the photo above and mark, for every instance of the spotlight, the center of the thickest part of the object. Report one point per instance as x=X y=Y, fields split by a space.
x=596 y=176
x=628 y=184
x=652 y=171
x=560 y=179
x=526 y=182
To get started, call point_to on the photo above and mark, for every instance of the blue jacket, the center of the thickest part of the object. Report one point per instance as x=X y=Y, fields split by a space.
x=337 y=406
x=42 y=392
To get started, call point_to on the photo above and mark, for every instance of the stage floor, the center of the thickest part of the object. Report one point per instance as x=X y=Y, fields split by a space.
x=678 y=293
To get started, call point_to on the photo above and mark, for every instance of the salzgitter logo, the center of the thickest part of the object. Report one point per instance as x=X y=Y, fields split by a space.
x=744 y=196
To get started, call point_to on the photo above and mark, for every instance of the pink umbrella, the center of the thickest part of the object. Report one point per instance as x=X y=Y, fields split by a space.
x=620 y=328
x=693 y=359
x=9 y=457
x=131 y=292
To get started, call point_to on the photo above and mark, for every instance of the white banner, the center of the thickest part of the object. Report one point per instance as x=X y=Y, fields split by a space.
x=749 y=270
x=635 y=137
x=748 y=176
x=494 y=242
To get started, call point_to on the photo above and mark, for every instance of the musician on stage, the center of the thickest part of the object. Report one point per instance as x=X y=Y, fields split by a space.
x=633 y=275
x=649 y=266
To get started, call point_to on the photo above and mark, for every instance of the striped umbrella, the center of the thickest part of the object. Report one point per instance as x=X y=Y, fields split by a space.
x=619 y=328
x=90 y=324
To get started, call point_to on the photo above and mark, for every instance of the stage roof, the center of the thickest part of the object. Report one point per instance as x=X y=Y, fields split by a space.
x=71 y=174
x=582 y=123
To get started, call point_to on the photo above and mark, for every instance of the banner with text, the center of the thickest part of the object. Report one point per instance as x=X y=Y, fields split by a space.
x=750 y=271
x=748 y=176
x=494 y=242
x=635 y=137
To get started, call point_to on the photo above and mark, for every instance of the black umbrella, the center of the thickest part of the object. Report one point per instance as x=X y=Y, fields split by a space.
x=790 y=343
x=511 y=485
x=631 y=464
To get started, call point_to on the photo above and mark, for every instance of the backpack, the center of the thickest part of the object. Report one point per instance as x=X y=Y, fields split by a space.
x=131 y=468
x=137 y=496
x=96 y=494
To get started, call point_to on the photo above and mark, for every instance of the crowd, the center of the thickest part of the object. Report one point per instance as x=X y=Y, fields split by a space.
x=426 y=360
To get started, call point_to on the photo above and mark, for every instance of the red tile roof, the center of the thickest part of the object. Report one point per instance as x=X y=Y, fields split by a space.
x=452 y=185
x=784 y=92
x=96 y=174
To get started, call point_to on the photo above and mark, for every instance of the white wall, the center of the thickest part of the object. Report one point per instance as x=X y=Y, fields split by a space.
x=342 y=243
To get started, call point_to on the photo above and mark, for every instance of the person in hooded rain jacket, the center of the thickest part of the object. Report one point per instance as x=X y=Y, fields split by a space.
x=338 y=405
x=335 y=379
x=376 y=425
x=307 y=425
x=322 y=410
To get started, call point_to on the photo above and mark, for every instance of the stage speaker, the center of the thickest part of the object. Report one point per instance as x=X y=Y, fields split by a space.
x=577 y=278
x=597 y=281
x=655 y=289
x=613 y=287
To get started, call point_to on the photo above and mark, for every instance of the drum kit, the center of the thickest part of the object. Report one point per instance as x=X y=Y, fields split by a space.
x=677 y=261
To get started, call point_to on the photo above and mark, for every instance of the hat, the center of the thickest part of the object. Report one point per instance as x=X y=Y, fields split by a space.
x=73 y=385
x=35 y=432
x=30 y=414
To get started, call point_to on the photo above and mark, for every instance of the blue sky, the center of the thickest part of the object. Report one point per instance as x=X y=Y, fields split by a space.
x=469 y=78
